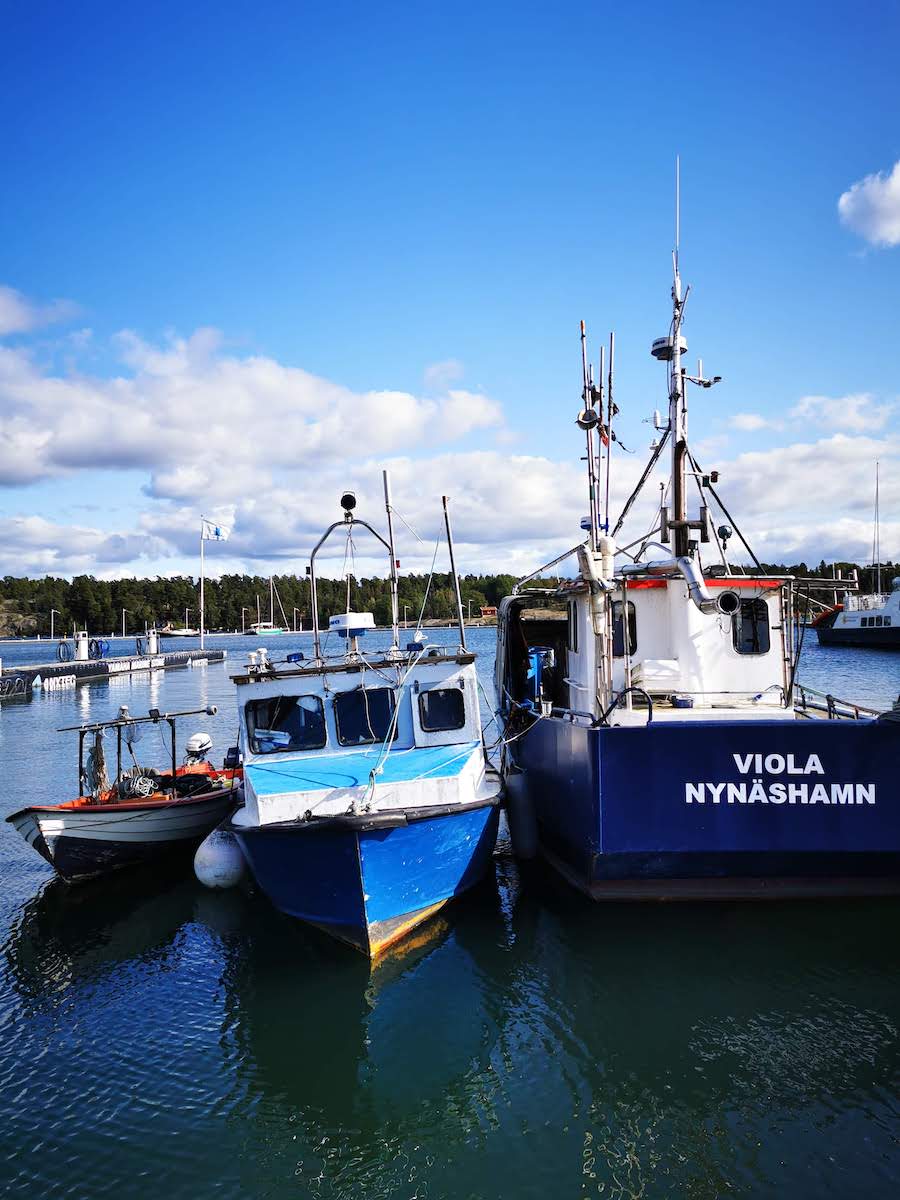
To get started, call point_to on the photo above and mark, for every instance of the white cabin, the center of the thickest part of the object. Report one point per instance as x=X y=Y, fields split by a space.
x=682 y=660
x=340 y=718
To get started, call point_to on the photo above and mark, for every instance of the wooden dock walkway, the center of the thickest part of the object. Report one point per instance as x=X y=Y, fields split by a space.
x=21 y=680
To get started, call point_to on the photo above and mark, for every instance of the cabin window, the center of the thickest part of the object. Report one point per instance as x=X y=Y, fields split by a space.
x=878 y=620
x=572 y=612
x=863 y=622
x=283 y=723
x=887 y=620
x=750 y=627
x=364 y=715
x=619 y=630
x=442 y=708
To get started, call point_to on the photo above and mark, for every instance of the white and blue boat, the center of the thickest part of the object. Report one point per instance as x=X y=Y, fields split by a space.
x=658 y=743
x=369 y=803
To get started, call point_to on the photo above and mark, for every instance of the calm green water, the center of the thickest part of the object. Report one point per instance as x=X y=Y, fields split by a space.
x=159 y=1040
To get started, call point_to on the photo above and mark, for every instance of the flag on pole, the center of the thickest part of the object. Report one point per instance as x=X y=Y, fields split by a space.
x=211 y=532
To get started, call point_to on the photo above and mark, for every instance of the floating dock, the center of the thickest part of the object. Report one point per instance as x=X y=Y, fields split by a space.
x=52 y=676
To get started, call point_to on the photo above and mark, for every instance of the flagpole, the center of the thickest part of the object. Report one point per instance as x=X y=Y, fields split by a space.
x=201 y=584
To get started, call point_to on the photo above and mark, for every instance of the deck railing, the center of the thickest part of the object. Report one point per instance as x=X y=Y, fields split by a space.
x=810 y=702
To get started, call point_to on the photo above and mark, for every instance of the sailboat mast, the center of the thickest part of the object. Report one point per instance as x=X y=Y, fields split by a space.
x=877 y=543
x=271 y=599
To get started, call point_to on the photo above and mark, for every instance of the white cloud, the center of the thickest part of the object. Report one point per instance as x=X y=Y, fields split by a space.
x=203 y=421
x=871 y=207
x=751 y=422
x=858 y=413
x=814 y=499
x=266 y=449
x=35 y=546
x=438 y=376
x=20 y=315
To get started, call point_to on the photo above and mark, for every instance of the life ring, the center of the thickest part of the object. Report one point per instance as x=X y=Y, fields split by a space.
x=63 y=652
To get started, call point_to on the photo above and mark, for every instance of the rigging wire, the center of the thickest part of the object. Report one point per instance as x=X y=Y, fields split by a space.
x=640 y=483
x=728 y=515
x=437 y=546
x=408 y=526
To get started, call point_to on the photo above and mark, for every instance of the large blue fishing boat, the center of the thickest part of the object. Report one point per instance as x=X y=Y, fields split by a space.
x=657 y=742
x=369 y=801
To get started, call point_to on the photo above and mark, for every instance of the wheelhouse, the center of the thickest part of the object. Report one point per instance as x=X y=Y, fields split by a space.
x=642 y=639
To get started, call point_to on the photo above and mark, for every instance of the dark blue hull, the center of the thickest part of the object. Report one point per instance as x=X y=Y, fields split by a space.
x=761 y=808
x=878 y=639
x=369 y=881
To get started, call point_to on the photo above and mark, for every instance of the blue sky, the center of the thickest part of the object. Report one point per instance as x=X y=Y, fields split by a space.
x=421 y=203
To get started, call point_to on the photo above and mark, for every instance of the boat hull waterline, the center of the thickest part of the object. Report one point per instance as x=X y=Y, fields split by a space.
x=878 y=639
x=369 y=880
x=717 y=809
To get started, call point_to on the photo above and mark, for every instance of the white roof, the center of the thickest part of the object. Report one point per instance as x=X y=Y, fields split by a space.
x=351 y=620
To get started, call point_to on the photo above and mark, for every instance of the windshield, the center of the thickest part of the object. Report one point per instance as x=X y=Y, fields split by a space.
x=364 y=715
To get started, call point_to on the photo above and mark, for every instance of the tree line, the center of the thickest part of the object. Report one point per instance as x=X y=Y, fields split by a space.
x=231 y=601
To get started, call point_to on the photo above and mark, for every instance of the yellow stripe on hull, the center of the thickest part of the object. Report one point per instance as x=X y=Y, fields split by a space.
x=398 y=928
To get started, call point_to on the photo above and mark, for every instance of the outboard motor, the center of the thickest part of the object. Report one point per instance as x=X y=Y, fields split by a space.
x=197 y=748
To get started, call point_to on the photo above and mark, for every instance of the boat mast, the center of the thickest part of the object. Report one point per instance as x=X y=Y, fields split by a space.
x=669 y=349
x=459 y=604
x=395 y=597
x=587 y=420
x=876 y=543
x=610 y=409
x=202 y=593
x=677 y=405
x=272 y=600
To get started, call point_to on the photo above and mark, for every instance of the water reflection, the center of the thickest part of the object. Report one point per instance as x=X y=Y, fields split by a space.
x=529 y=1042
x=687 y=1038
x=68 y=936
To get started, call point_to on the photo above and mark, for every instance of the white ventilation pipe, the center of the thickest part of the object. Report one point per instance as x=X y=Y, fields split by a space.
x=669 y=567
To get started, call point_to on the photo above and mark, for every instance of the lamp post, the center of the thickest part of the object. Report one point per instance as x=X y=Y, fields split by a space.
x=124 y=611
x=243 y=625
x=405 y=610
x=187 y=612
x=469 y=618
x=296 y=610
x=58 y=614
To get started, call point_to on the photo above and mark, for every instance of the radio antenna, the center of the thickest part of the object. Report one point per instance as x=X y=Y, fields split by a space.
x=588 y=418
x=677 y=208
x=611 y=411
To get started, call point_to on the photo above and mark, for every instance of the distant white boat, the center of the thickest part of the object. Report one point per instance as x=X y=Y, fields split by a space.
x=872 y=620
x=261 y=628
x=179 y=633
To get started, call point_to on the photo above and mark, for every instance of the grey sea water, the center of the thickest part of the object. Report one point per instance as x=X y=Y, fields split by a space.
x=160 y=1040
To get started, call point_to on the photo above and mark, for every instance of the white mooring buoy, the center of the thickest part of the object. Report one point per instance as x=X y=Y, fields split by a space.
x=219 y=862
